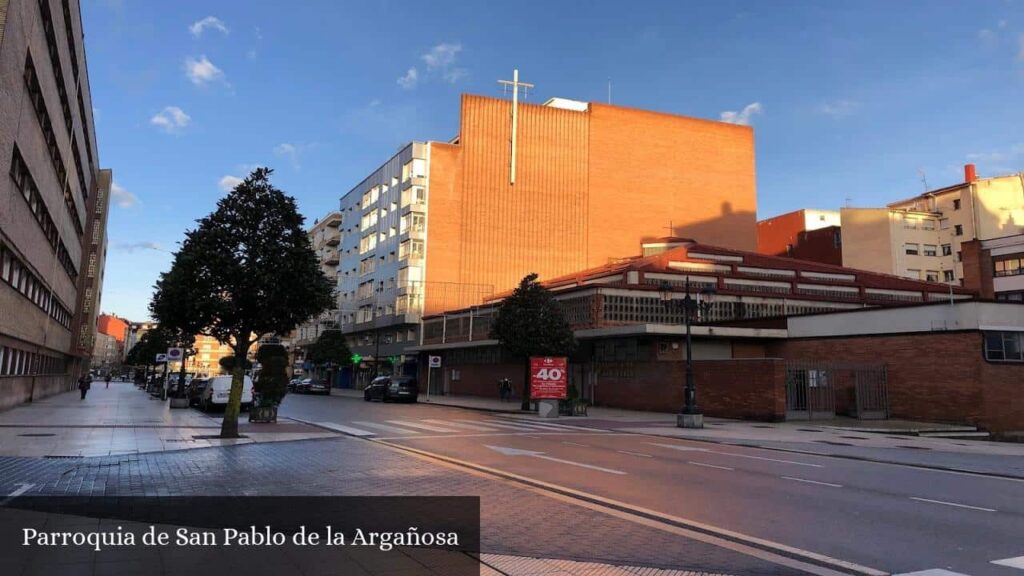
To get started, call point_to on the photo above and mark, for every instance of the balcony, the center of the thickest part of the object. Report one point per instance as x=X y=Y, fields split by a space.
x=331 y=258
x=333 y=240
x=333 y=220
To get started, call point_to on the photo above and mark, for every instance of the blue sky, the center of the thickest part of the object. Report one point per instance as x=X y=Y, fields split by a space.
x=850 y=102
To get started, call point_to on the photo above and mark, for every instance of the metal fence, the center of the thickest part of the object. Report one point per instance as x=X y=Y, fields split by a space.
x=816 y=390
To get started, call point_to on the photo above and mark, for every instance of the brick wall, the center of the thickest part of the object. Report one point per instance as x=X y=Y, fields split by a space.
x=978 y=268
x=937 y=377
x=749 y=389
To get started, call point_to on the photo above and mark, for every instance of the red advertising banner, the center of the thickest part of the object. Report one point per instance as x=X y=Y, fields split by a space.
x=549 y=378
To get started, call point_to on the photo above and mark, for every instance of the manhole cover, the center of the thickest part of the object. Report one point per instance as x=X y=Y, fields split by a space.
x=36 y=435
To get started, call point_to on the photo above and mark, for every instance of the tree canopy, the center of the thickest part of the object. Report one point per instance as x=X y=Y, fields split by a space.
x=246 y=271
x=329 y=348
x=530 y=323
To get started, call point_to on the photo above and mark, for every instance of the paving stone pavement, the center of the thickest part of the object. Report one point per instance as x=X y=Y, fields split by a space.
x=516 y=522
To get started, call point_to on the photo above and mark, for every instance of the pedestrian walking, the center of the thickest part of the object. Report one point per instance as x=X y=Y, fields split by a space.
x=84 y=383
x=108 y=380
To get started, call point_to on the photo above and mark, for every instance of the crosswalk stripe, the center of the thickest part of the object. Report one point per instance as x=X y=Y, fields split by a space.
x=422 y=426
x=556 y=425
x=461 y=425
x=345 y=429
x=519 y=427
x=1017 y=562
x=931 y=572
x=387 y=428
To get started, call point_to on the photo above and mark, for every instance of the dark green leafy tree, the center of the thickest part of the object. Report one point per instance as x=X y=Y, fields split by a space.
x=329 y=351
x=273 y=381
x=530 y=323
x=248 y=270
x=175 y=306
x=153 y=342
x=227 y=364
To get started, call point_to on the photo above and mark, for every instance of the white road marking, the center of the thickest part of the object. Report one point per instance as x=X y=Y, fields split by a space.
x=554 y=424
x=953 y=504
x=641 y=454
x=476 y=427
x=710 y=466
x=422 y=426
x=680 y=447
x=18 y=492
x=768 y=459
x=386 y=428
x=575 y=444
x=345 y=429
x=503 y=426
x=523 y=426
x=932 y=572
x=805 y=480
x=684 y=448
x=1017 y=562
x=535 y=454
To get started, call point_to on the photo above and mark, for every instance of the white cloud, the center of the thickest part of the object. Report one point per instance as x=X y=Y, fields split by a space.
x=122 y=197
x=742 y=117
x=838 y=108
x=227 y=183
x=202 y=71
x=289 y=152
x=440 y=61
x=171 y=119
x=409 y=80
x=211 y=22
x=441 y=56
x=133 y=246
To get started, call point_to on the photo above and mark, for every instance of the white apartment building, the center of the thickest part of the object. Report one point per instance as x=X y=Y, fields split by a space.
x=921 y=237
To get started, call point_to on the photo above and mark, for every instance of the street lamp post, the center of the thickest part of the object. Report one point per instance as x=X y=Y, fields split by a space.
x=690 y=416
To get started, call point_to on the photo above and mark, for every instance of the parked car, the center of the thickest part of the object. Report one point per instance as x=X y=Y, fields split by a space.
x=318 y=387
x=392 y=389
x=302 y=386
x=293 y=383
x=195 y=390
x=217 y=391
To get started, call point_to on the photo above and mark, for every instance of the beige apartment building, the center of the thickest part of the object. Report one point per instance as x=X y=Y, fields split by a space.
x=922 y=237
x=325 y=236
x=54 y=199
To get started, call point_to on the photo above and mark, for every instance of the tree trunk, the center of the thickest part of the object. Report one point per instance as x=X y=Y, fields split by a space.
x=526 y=387
x=181 y=376
x=229 y=428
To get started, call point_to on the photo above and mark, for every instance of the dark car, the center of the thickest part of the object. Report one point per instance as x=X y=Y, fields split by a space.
x=317 y=387
x=194 y=390
x=392 y=389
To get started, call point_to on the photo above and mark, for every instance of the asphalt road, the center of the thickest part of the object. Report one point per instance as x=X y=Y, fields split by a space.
x=894 y=519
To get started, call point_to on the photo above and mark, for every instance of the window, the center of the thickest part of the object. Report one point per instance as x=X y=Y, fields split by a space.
x=929 y=250
x=928 y=224
x=944 y=224
x=956 y=204
x=1017 y=296
x=947 y=275
x=913 y=274
x=959 y=256
x=947 y=250
x=1004 y=346
x=958 y=230
x=931 y=275
x=1009 y=267
x=911 y=249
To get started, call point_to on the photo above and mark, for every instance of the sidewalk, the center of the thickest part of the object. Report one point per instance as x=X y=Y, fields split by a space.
x=889 y=441
x=123 y=420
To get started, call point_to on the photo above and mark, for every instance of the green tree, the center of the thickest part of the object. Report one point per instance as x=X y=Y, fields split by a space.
x=330 y=350
x=175 y=306
x=248 y=270
x=530 y=323
x=273 y=381
x=153 y=342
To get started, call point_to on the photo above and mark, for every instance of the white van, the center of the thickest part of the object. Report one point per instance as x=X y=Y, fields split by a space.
x=218 y=389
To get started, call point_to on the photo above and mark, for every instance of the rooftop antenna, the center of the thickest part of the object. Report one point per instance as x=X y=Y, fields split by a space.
x=609 y=90
x=848 y=200
x=924 y=178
